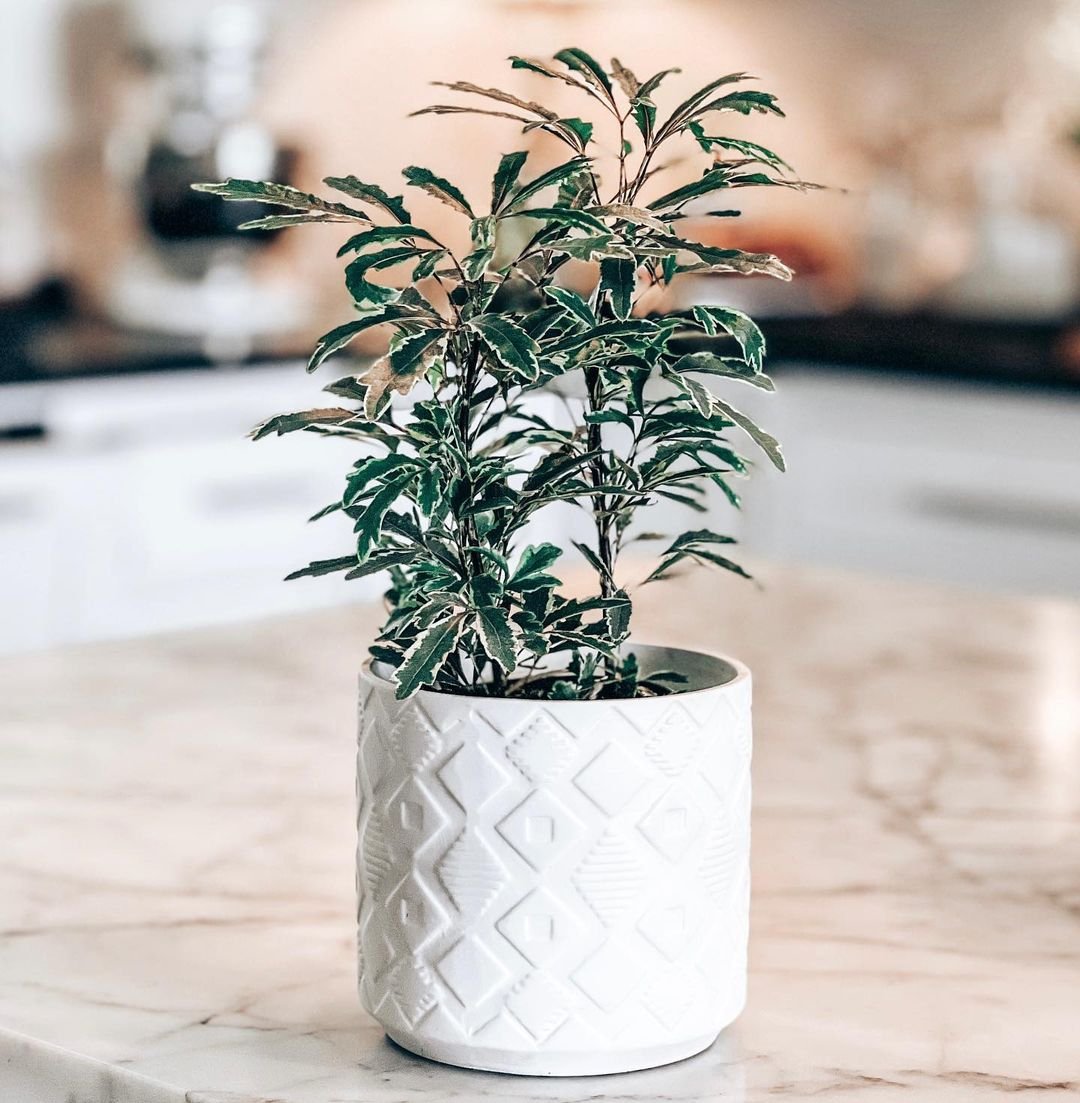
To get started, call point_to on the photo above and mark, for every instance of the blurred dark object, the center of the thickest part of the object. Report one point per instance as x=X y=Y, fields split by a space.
x=1036 y=354
x=1014 y=353
x=192 y=270
x=43 y=338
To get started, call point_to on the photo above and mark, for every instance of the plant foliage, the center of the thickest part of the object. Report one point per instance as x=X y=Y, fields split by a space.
x=446 y=482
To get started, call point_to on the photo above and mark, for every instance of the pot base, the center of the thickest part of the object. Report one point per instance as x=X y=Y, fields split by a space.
x=548 y=1063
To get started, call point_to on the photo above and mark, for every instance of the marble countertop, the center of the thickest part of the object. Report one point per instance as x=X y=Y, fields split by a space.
x=176 y=851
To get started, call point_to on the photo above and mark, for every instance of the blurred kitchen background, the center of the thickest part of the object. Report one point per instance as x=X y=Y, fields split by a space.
x=927 y=356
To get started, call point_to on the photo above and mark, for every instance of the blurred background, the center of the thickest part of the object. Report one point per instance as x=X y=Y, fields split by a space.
x=927 y=355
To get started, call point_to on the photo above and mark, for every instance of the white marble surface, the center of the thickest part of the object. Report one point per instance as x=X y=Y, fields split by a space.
x=176 y=848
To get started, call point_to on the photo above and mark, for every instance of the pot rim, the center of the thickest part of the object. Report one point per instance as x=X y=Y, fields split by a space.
x=740 y=676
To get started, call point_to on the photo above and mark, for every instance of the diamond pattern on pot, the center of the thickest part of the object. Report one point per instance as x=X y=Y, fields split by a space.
x=672 y=824
x=473 y=777
x=471 y=874
x=540 y=828
x=414 y=739
x=673 y=996
x=539 y=1004
x=471 y=971
x=413 y=818
x=612 y=779
x=541 y=928
x=412 y=989
x=415 y=915
x=610 y=878
x=719 y=860
x=541 y=749
x=666 y=927
x=673 y=742
x=374 y=757
x=610 y=976
x=379 y=952
x=373 y=857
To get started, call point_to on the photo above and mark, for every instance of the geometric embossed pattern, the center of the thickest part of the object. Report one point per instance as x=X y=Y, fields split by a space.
x=673 y=824
x=611 y=878
x=566 y=878
x=471 y=874
x=540 y=828
x=674 y=741
x=540 y=927
x=612 y=779
x=541 y=750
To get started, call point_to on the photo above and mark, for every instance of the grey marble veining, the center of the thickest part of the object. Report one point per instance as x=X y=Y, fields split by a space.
x=176 y=910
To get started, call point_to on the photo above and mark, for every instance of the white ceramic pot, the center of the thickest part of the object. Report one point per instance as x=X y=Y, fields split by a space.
x=556 y=888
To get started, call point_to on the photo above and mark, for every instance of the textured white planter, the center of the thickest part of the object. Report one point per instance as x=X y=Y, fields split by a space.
x=556 y=888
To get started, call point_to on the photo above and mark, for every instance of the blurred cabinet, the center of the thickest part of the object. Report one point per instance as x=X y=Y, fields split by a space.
x=969 y=485
x=144 y=507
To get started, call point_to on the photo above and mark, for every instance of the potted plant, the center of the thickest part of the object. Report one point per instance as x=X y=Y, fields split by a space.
x=553 y=822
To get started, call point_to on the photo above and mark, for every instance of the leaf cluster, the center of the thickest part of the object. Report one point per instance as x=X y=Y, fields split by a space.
x=446 y=483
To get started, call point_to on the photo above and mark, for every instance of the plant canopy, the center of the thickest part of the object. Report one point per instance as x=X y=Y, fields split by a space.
x=448 y=480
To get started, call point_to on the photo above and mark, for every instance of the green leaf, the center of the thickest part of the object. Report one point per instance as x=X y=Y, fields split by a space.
x=435 y=185
x=536 y=66
x=713 y=180
x=567 y=216
x=378 y=235
x=340 y=336
x=499 y=95
x=547 y=179
x=323 y=566
x=283 y=221
x=572 y=302
x=589 y=248
x=699 y=536
x=739 y=325
x=700 y=555
x=412 y=353
x=369 y=523
x=290 y=423
x=424 y=658
x=532 y=565
x=382 y=561
x=744 y=102
x=506 y=177
x=409 y=359
x=589 y=68
x=496 y=636
x=750 y=150
x=636 y=215
x=510 y=344
x=482 y=232
x=709 y=363
x=393 y=205
x=645 y=119
x=573 y=607
x=356 y=271
x=373 y=469
x=618 y=279
x=769 y=445
x=617 y=617
x=278 y=195
x=581 y=130
x=428 y=263
x=688 y=107
x=653 y=83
